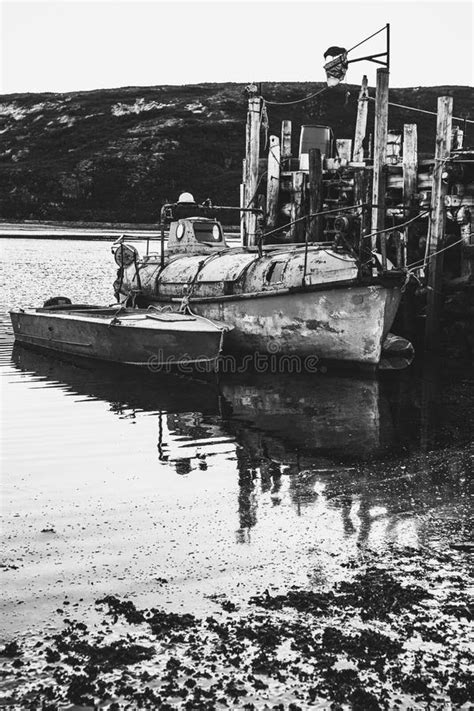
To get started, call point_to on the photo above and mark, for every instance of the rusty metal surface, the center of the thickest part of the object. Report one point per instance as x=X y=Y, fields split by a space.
x=345 y=323
x=286 y=270
x=226 y=267
x=176 y=277
x=340 y=324
x=210 y=275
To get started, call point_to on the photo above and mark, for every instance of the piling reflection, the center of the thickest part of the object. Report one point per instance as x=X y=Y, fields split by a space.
x=320 y=443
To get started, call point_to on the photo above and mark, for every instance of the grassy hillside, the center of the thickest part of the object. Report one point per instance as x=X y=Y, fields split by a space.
x=118 y=154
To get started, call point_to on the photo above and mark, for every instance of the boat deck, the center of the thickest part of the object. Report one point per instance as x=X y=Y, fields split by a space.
x=150 y=318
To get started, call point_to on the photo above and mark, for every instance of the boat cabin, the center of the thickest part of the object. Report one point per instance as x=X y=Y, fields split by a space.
x=196 y=235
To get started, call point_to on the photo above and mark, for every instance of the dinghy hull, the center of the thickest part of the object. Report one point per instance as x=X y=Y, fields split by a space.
x=131 y=336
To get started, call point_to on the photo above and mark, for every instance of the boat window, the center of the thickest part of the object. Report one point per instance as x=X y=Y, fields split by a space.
x=275 y=271
x=208 y=232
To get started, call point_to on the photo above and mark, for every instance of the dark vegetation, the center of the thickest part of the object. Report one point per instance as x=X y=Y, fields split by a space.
x=370 y=642
x=118 y=154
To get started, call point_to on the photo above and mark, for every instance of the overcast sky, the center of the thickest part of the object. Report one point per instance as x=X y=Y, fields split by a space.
x=67 y=45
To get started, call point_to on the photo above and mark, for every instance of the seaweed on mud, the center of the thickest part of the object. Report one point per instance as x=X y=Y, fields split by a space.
x=163 y=623
x=463 y=691
x=122 y=608
x=365 y=647
x=360 y=645
x=376 y=594
x=315 y=603
x=74 y=649
x=80 y=690
x=459 y=610
x=11 y=649
x=266 y=633
x=228 y=606
x=159 y=621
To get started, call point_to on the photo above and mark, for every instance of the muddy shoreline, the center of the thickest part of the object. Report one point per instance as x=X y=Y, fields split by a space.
x=393 y=631
x=370 y=642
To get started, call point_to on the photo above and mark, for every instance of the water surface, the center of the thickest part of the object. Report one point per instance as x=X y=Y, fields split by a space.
x=174 y=491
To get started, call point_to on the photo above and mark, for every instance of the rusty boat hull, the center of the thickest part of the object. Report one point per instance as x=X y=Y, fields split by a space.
x=304 y=300
x=341 y=323
x=129 y=336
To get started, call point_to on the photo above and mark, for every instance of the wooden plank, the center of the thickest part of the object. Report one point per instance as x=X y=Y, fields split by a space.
x=273 y=181
x=297 y=204
x=410 y=179
x=242 y=214
x=252 y=157
x=457 y=138
x=436 y=238
x=380 y=153
x=410 y=163
x=362 y=191
x=394 y=147
x=243 y=202
x=344 y=149
x=467 y=267
x=315 y=186
x=285 y=147
x=361 y=122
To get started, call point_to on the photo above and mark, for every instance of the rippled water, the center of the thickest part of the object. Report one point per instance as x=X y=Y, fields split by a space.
x=115 y=480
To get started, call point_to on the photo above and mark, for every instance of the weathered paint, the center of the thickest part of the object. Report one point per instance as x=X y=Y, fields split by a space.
x=329 y=325
x=346 y=322
x=128 y=338
x=246 y=272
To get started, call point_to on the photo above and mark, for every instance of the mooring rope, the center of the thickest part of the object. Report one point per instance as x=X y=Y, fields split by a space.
x=422 y=262
x=421 y=111
x=397 y=227
x=316 y=214
x=296 y=101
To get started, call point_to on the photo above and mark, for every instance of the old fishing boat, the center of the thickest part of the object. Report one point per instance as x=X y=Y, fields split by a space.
x=301 y=299
x=150 y=337
x=316 y=273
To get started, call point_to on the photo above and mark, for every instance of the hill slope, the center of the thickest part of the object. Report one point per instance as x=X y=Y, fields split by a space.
x=118 y=154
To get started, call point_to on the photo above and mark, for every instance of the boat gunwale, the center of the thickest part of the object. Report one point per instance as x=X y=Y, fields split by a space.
x=197 y=324
x=394 y=281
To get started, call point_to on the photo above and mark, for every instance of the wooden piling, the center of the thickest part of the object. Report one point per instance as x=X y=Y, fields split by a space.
x=297 y=203
x=344 y=149
x=315 y=186
x=285 y=148
x=370 y=147
x=242 y=214
x=252 y=157
x=410 y=164
x=410 y=178
x=467 y=263
x=380 y=154
x=361 y=122
x=362 y=190
x=243 y=202
x=273 y=181
x=394 y=146
x=436 y=237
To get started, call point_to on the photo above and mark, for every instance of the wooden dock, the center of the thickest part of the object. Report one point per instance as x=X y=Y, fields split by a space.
x=372 y=191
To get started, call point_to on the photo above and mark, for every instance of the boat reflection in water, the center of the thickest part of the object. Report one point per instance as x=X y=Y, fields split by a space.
x=296 y=440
